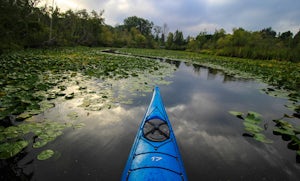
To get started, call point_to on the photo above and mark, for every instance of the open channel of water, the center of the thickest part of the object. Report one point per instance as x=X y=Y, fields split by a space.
x=210 y=139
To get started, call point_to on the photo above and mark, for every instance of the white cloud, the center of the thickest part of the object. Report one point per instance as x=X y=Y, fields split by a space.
x=219 y=2
x=193 y=16
x=69 y=4
x=117 y=10
x=286 y=25
x=202 y=27
x=204 y=101
x=64 y=5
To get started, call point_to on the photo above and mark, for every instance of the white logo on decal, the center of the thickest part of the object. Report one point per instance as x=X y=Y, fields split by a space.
x=156 y=158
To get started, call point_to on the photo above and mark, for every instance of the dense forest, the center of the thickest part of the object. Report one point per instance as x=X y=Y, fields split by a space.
x=25 y=25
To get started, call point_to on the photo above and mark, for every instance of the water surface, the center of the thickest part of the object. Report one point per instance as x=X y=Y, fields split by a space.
x=210 y=139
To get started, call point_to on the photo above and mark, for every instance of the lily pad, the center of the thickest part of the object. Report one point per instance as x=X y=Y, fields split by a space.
x=262 y=138
x=28 y=114
x=73 y=115
x=289 y=133
x=276 y=92
x=45 y=105
x=293 y=107
x=82 y=88
x=252 y=124
x=79 y=125
x=10 y=149
x=44 y=132
x=237 y=114
x=69 y=96
x=11 y=132
x=62 y=87
x=255 y=114
x=51 y=96
x=40 y=144
x=283 y=131
x=46 y=154
x=60 y=94
x=252 y=128
x=253 y=118
x=284 y=127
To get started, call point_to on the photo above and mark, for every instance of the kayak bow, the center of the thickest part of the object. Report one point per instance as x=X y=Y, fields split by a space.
x=155 y=153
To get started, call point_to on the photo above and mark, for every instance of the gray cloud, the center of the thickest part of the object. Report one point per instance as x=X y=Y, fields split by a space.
x=194 y=16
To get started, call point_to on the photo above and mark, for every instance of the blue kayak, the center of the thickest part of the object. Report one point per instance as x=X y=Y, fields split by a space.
x=155 y=153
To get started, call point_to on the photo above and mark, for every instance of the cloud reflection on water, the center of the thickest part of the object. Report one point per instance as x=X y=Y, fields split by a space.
x=210 y=139
x=210 y=148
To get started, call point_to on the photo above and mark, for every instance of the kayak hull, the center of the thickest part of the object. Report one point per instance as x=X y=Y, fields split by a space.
x=155 y=154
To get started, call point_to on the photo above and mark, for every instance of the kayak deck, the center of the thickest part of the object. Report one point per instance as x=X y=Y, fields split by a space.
x=155 y=154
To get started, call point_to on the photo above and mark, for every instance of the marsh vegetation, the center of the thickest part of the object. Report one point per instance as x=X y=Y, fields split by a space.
x=69 y=104
x=55 y=97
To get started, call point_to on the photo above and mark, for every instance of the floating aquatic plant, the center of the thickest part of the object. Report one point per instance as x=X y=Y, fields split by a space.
x=13 y=139
x=10 y=149
x=29 y=77
x=31 y=81
x=253 y=125
x=289 y=133
x=46 y=154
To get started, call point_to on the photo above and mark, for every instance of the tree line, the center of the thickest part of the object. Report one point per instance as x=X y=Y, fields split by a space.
x=263 y=44
x=25 y=25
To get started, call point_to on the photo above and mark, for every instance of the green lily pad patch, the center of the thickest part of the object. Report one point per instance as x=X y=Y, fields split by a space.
x=237 y=114
x=39 y=144
x=70 y=96
x=73 y=115
x=293 y=107
x=289 y=133
x=43 y=133
x=10 y=149
x=262 y=138
x=46 y=154
x=253 y=125
x=33 y=82
x=79 y=125
x=253 y=122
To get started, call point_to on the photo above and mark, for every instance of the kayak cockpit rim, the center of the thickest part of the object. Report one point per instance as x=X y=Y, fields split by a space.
x=156 y=130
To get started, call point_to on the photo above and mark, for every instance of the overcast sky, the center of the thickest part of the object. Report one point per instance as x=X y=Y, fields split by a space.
x=194 y=16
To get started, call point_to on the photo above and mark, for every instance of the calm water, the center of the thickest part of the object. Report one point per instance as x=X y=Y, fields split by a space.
x=210 y=139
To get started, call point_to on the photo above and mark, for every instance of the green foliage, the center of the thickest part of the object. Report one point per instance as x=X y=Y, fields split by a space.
x=10 y=149
x=14 y=139
x=27 y=77
x=289 y=133
x=175 y=41
x=237 y=114
x=46 y=154
x=23 y=25
x=252 y=123
x=31 y=79
x=245 y=44
x=178 y=39
x=284 y=128
x=169 y=43
x=142 y=25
